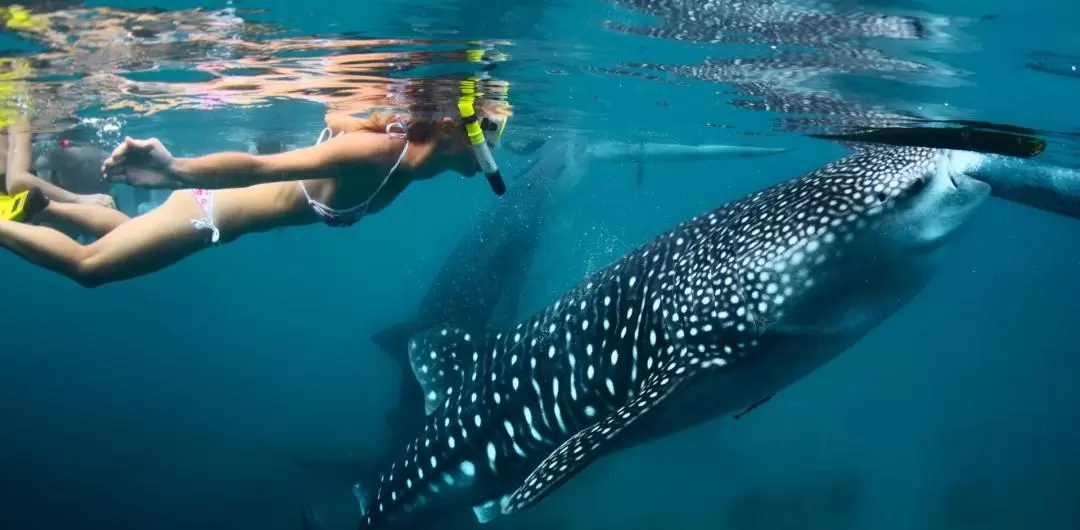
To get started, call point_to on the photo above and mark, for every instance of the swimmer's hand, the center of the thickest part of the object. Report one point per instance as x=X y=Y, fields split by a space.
x=97 y=199
x=144 y=163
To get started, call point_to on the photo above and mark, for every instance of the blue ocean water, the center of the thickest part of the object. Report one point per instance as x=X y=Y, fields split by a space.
x=173 y=401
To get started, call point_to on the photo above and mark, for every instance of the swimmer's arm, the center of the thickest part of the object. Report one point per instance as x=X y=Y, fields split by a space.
x=341 y=122
x=347 y=156
x=18 y=176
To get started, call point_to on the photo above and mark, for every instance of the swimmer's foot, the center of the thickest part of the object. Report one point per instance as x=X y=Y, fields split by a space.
x=97 y=199
x=36 y=202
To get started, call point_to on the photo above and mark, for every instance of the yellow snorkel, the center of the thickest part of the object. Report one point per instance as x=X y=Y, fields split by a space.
x=475 y=129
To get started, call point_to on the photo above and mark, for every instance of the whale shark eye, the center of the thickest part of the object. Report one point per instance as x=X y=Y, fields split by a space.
x=913 y=188
x=917 y=186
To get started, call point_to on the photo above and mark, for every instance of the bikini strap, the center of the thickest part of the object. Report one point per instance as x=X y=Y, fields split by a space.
x=404 y=150
x=324 y=135
x=394 y=130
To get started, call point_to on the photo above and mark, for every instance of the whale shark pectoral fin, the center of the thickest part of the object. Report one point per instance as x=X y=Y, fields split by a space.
x=586 y=445
x=441 y=358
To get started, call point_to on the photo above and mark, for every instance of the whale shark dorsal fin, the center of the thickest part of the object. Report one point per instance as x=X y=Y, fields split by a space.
x=586 y=445
x=394 y=339
x=441 y=359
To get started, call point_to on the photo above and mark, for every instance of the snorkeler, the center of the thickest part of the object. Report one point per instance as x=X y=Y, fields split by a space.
x=58 y=168
x=70 y=163
x=65 y=173
x=360 y=170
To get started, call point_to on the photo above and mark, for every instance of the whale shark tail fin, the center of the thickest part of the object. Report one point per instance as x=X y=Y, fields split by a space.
x=394 y=339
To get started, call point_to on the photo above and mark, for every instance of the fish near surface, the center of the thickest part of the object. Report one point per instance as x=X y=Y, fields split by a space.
x=725 y=309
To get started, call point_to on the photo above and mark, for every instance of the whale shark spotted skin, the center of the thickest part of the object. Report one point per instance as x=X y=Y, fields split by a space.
x=709 y=318
x=795 y=22
x=489 y=264
x=481 y=281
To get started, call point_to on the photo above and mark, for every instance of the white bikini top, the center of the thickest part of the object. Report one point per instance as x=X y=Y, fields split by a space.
x=349 y=216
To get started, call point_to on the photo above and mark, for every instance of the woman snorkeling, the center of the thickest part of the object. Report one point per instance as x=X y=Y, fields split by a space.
x=359 y=170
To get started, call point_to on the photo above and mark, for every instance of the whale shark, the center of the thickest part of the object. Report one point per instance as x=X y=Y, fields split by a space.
x=796 y=22
x=481 y=281
x=709 y=318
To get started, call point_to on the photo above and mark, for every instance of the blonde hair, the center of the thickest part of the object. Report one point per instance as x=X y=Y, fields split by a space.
x=422 y=130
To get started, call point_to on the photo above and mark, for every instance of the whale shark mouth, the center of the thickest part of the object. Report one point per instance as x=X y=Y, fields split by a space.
x=965 y=193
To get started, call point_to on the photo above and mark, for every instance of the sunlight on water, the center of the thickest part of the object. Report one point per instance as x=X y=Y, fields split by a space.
x=805 y=67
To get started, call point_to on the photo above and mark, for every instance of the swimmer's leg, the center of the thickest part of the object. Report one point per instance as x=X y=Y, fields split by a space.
x=18 y=177
x=88 y=218
x=136 y=247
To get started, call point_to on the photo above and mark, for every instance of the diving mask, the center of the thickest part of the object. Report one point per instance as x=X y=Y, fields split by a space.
x=493 y=128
